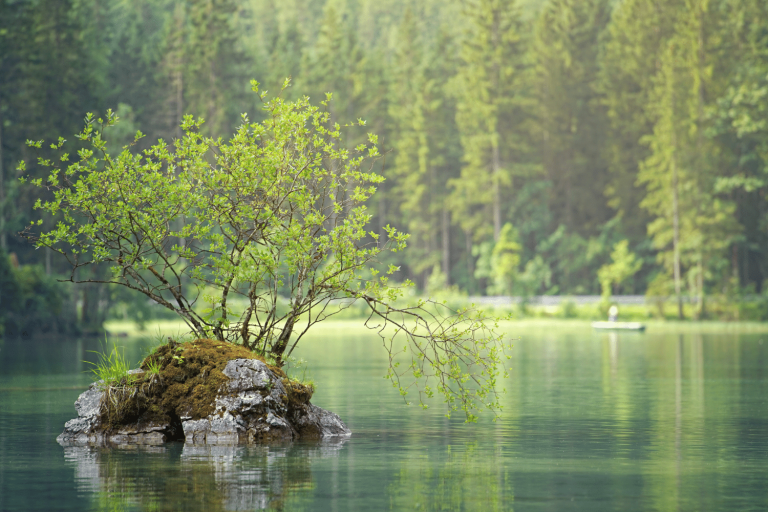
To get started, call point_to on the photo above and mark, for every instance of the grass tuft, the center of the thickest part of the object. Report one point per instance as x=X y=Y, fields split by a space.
x=112 y=367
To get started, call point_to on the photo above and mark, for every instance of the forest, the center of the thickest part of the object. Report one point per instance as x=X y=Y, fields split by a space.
x=532 y=147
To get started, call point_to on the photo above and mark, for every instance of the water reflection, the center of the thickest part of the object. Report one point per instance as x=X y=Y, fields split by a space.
x=196 y=477
x=667 y=421
x=463 y=477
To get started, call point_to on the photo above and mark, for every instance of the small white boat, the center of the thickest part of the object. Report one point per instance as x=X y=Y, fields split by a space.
x=618 y=326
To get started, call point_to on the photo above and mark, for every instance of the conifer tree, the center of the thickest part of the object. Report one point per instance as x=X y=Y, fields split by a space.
x=423 y=138
x=634 y=39
x=487 y=88
x=740 y=126
x=213 y=86
x=680 y=173
x=333 y=61
x=572 y=122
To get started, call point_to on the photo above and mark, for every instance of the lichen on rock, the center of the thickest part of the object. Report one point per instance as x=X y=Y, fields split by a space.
x=205 y=391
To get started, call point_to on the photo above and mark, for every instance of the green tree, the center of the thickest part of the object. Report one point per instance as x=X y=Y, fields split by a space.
x=631 y=50
x=424 y=145
x=693 y=225
x=623 y=266
x=505 y=260
x=740 y=127
x=280 y=207
x=572 y=123
x=213 y=85
x=488 y=114
x=46 y=81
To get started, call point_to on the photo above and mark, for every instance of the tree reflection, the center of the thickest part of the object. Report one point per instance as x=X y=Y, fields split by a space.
x=465 y=478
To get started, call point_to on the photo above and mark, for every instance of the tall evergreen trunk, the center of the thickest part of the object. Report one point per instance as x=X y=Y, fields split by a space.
x=470 y=262
x=3 y=239
x=700 y=153
x=48 y=262
x=701 y=309
x=496 y=163
x=382 y=213
x=676 y=231
x=675 y=194
x=179 y=114
x=446 y=222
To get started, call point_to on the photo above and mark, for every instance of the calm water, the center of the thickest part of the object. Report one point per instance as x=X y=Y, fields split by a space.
x=592 y=422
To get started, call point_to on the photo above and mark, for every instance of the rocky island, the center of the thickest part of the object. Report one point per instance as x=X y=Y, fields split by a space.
x=201 y=392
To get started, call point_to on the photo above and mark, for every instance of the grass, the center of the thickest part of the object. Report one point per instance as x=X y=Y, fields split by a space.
x=153 y=366
x=111 y=367
x=294 y=366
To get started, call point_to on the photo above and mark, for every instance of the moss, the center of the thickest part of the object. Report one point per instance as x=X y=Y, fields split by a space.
x=190 y=378
x=298 y=394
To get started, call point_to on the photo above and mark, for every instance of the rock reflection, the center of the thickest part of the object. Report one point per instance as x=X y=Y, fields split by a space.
x=196 y=477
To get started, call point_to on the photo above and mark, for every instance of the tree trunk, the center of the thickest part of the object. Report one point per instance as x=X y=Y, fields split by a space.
x=496 y=192
x=676 y=238
x=3 y=239
x=446 y=224
x=700 y=152
x=470 y=262
x=702 y=311
x=85 y=316
x=675 y=194
x=382 y=214
x=179 y=79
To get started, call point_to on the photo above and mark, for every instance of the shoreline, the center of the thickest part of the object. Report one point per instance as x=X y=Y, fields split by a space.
x=120 y=328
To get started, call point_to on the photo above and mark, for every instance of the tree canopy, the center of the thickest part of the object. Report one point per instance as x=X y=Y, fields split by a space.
x=255 y=239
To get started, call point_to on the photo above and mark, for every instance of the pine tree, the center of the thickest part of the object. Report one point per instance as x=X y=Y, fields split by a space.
x=47 y=81
x=572 y=122
x=630 y=56
x=488 y=115
x=424 y=136
x=571 y=126
x=740 y=127
x=681 y=172
x=332 y=64
x=213 y=85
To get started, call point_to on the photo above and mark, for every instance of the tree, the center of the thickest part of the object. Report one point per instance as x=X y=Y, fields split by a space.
x=424 y=147
x=624 y=265
x=740 y=127
x=274 y=224
x=681 y=170
x=630 y=59
x=571 y=121
x=487 y=114
x=505 y=260
x=211 y=54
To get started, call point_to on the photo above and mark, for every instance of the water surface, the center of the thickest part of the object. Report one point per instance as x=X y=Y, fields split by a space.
x=663 y=421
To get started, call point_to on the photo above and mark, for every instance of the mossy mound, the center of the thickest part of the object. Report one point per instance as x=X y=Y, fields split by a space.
x=182 y=380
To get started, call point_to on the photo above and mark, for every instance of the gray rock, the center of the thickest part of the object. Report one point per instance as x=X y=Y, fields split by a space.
x=251 y=407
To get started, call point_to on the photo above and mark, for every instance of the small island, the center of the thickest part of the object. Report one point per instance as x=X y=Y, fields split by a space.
x=202 y=391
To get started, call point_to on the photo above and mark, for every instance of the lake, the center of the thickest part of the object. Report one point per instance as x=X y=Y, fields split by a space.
x=675 y=419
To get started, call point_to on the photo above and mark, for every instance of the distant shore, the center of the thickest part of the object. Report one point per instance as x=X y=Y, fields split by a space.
x=164 y=328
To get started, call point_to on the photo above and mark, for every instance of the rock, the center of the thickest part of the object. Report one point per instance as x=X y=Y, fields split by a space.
x=252 y=405
x=86 y=428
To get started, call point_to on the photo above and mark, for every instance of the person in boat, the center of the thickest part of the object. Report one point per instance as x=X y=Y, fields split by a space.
x=613 y=313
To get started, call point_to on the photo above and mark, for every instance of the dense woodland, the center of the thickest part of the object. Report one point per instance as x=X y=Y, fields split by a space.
x=531 y=147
